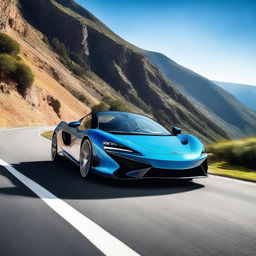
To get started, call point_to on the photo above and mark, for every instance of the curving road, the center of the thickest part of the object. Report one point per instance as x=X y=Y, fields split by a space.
x=213 y=216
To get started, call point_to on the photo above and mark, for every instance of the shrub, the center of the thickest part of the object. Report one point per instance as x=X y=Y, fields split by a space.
x=100 y=107
x=116 y=105
x=72 y=60
x=7 y=65
x=55 y=104
x=78 y=58
x=55 y=75
x=76 y=69
x=23 y=76
x=240 y=152
x=111 y=104
x=8 y=45
x=60 y=48
x=79 y=96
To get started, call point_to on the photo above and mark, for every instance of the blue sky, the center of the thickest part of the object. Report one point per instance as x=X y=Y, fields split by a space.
x=217 y=39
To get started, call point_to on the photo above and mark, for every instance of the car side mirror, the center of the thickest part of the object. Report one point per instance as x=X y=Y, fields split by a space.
x=74 y=124
x=176 y=131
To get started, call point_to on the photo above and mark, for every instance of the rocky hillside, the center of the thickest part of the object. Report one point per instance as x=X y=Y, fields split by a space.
x=33 y=108
x=54 y=82
x=217 y=103
x=245 y=93
x=78 y=60
x=118 y=63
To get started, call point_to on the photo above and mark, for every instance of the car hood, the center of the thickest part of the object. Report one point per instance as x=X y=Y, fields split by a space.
x=179 y=145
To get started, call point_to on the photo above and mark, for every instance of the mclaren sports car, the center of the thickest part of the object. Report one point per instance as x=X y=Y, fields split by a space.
x=124 y=145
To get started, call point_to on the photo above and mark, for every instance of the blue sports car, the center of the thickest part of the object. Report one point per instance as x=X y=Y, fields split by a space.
x=129 y=146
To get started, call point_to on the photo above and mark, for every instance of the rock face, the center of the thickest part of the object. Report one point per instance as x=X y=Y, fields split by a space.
x=33 y=108
x=11 y=17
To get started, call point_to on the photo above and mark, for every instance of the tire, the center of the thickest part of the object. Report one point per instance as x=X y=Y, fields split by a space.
x=54 y=149
x=85 y=158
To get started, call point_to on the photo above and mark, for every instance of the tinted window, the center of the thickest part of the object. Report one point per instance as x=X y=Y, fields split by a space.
x=119 y=122
x=86 y=123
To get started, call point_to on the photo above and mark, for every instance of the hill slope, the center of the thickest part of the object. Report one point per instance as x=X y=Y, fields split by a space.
x=114 y=67
x=207 y=96
x=243 y=92
x=53 y=80
x=118 y=63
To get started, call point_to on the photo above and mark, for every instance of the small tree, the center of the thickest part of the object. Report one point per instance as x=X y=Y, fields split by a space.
x=23 y=76
x=118 y=105
x=8 y=45
x=100 y=107
x=7 y=65
x=60 y=48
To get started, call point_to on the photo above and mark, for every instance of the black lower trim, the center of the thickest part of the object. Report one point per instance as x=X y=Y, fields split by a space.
x=198 y=171
x=126 y=165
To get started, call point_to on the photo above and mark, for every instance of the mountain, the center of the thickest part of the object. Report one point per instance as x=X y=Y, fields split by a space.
x=243 y=92
x=54 y=81
x=215 y=102
x=79 y=61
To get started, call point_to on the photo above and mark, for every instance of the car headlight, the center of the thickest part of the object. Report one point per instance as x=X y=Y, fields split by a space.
x=113 y=146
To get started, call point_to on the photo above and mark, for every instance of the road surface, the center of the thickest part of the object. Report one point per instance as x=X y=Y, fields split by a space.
x=213 y=216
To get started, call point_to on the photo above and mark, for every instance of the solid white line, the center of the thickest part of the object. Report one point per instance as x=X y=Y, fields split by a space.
x=104 y=241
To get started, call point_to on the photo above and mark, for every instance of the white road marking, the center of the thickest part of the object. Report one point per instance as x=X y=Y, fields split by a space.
x=104 y=241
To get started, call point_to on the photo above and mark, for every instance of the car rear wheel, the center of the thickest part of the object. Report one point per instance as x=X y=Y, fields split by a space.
x=85 y=158
x=54 y=149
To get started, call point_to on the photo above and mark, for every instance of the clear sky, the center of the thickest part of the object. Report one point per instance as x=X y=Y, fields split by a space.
x=215 y=38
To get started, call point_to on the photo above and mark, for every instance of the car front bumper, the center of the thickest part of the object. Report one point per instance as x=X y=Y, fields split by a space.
x=134 y=169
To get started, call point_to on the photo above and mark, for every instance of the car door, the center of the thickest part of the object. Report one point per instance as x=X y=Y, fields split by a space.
x=78 y=135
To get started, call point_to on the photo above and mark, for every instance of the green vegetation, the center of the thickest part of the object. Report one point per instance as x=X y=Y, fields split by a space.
x=47 y=134
x=233 y=171
x=55 y=75
x=117 y=105
x=7 y=65
x=112 y=105
x=72 y=60
x=238 y=152
x=23 y=76
x=78 y=95
x=234 y=158
x=100 y=107
x=11 y=64
x=75 y=68
x=60 y=48
x=8 y=45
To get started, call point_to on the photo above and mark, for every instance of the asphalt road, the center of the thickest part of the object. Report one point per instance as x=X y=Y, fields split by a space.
x=213 y=216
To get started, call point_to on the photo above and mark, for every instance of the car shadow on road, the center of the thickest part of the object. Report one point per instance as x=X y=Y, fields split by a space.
x=64 y=180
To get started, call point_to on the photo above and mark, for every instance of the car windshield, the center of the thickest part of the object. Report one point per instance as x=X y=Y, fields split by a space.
x=128 y=123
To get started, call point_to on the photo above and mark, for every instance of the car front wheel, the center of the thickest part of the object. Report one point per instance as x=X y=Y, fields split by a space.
x=54 y=148
x=85 y=158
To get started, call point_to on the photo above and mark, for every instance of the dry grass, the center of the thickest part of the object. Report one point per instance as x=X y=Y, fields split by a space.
x=47 y=134
x=232 y=171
